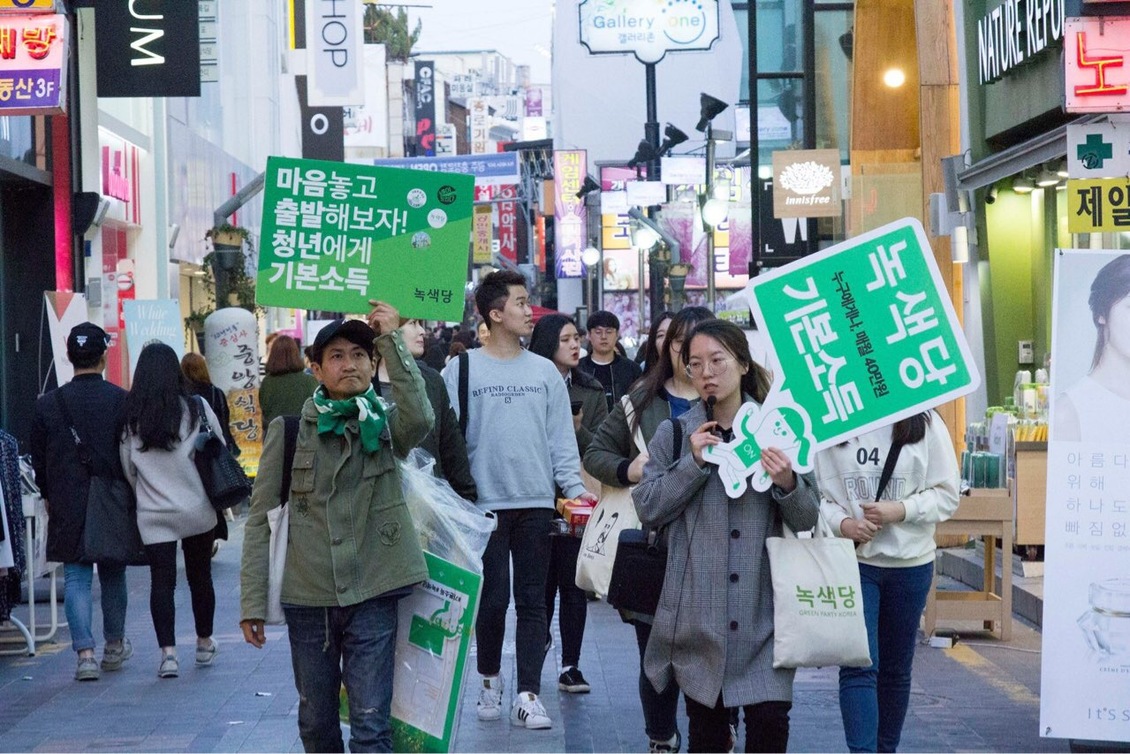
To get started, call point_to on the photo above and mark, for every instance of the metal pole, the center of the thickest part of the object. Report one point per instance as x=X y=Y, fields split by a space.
x=754 y=147
x=643 y=318
x=651 y=127
x=709 y=228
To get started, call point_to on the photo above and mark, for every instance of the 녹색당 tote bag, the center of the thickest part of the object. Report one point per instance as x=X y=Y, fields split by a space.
x=817 y=603
x=613 y=514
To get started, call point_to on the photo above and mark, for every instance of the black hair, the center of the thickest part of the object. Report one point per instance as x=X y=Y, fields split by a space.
x=1111 y=285
x=650 y=350
x=154 y=406
x=651 y=383
x=755 y=381
x=602 y=318
x=493 y=291
x=84 y=359
x=912 y=429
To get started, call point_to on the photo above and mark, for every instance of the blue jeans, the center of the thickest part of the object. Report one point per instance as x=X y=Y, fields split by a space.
x=873 y=700
x=77 y=604
x=659 y=707
x=524 y=536
x=355 y=645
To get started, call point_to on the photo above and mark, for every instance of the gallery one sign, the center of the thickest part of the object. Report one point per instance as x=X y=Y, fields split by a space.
x=1014 y=32
x=648 y=28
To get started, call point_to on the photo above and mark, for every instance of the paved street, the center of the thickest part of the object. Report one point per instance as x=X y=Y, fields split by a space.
x=981 y=695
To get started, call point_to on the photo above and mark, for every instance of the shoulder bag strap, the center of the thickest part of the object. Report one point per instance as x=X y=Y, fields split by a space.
x=464 y=370
x=629 y=414
x=67 y=416
x=888 y=469
x=290 y=444
x=205 y=425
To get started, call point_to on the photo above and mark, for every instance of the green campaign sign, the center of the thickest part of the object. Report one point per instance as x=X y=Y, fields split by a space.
x=335 y=235
x=865 y=335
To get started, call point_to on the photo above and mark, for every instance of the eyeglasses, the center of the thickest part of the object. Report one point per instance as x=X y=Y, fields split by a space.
x=602 y=332
x=718 y=365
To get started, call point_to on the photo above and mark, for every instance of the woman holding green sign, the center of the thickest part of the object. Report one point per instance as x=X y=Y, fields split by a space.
x=885 y=490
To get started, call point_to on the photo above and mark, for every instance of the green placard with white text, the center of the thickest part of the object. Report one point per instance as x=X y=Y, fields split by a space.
x=335 y=235
x=864 y=333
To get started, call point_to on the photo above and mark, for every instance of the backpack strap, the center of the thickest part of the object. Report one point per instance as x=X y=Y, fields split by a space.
x=290 y=444
x=676 y=438
x=464 y=378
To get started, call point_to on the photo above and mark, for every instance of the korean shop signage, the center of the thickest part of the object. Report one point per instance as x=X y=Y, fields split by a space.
x=864 y=333
x=33 y=64
x=425 y=108
x=1098 y=206
x=648 y=28
x=1096 y=73
x=1013 y=33
x=806 y=183
x=335 y=235
x=1098 y=150
x=148 y=48
x=27 y=6
x=497 y=169
x=570 y=167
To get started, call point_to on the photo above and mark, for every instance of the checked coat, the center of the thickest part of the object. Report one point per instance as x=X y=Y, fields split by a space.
x=713 y=630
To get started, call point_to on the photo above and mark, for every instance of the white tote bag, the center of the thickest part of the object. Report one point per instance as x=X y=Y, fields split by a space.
x=817 y=601
x=278 y=520
x=613 y=514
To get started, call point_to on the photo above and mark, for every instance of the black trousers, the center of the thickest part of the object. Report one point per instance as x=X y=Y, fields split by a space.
x=163 y=584
x=767 y=727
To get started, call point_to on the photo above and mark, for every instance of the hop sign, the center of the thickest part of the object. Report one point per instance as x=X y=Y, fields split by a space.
x=865 y=335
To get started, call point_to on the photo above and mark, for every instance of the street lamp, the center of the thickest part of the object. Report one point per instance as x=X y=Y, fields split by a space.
x=591 y=257
x=709 y=108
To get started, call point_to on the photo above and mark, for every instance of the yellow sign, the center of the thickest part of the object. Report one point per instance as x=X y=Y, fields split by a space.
x=1099 y=205
x=247 y=427
x=482 y=232
x=27 y=6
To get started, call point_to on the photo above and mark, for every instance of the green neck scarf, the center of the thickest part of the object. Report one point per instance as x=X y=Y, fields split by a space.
x=367 y=409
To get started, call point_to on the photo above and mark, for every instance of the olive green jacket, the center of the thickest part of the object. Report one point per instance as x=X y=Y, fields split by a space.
x=351 y=537
x=613 y=448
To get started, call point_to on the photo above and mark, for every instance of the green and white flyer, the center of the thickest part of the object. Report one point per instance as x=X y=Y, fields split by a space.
x=335 y=235
x=865 y=335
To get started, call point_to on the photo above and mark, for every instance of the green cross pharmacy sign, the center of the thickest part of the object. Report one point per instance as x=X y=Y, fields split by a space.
x=335 y=235
x=864 y=334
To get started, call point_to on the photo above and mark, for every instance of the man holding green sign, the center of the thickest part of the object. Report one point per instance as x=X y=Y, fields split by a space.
x=336 y=235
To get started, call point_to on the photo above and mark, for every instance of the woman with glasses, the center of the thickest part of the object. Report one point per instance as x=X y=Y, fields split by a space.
x=713 y=631
x=616 y=458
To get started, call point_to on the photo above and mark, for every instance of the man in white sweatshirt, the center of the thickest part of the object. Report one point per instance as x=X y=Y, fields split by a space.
x=519 y=430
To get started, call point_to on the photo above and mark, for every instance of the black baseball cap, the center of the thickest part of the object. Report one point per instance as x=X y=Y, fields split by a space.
x=353 y=330
x=86 y=341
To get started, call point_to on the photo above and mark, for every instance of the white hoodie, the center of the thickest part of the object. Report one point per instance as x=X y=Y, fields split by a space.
x=925 y=480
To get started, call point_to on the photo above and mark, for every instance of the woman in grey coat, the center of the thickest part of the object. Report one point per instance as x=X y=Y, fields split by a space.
x=713 y=630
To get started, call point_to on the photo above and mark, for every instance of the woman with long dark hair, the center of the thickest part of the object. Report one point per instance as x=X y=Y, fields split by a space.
x=653 y=346
x=556 y=338
x=616 y=458
x=893 y=529
x=160 y=422
x=713 y=630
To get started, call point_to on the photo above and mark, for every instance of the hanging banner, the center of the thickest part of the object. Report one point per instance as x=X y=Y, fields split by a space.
x=508 y=223
x=323 y=128
x=433 y=640
x=231 y=348
x=425 y=108
x=1100 y=205
x=1086 y=551
x=479 y=123
x=569 y=170
x=864 y=333
x=334 y=53
x=148 y=49
x=149 y=322
x=33 y=64
x=335 y=235
x=483 y=233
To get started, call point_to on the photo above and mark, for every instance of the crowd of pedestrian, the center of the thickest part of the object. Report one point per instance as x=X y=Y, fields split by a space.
x=514 y=416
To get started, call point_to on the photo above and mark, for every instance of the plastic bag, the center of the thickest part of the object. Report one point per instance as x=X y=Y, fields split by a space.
x=448 y=526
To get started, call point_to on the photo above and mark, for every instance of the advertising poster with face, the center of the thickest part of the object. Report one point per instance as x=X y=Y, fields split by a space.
x=1086 y=568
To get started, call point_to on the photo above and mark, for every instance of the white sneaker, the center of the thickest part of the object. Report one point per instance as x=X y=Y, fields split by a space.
x=528 y=711
x=490 y=698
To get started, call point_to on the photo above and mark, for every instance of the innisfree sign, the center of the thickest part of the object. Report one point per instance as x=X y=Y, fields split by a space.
x=648 y=28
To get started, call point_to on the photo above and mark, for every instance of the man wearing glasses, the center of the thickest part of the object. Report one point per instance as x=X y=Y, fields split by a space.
x=612 y=370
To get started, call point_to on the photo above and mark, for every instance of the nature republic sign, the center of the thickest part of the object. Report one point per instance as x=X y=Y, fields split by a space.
x=648 y=28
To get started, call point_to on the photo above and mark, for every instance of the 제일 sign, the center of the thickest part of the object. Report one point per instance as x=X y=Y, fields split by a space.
x=648 y=28
x=335 y=235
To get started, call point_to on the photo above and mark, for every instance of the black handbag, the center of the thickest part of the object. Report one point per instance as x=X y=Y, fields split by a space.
x=224 y=480
x=110 y=534
x=638 y=571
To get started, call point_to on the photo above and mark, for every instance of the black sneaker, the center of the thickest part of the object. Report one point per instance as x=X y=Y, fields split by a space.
x=573 y=682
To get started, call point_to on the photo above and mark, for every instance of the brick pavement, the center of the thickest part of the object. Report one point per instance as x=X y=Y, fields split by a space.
x=980 y=696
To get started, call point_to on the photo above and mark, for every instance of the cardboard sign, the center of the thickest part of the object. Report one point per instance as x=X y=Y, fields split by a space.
x=865 y=335
x=336 y=235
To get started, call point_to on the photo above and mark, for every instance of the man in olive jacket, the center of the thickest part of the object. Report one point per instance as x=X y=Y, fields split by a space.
x=352 y=550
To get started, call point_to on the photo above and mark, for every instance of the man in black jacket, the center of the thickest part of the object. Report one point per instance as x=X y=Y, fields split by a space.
x=612 y=370
x=445 y=442
x=86 y=407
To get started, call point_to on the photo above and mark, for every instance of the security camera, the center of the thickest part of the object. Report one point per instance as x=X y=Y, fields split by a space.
x=992 y=195
x=709 y=108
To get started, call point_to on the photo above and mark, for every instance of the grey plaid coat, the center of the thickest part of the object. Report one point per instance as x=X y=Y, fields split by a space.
x=713 y=631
